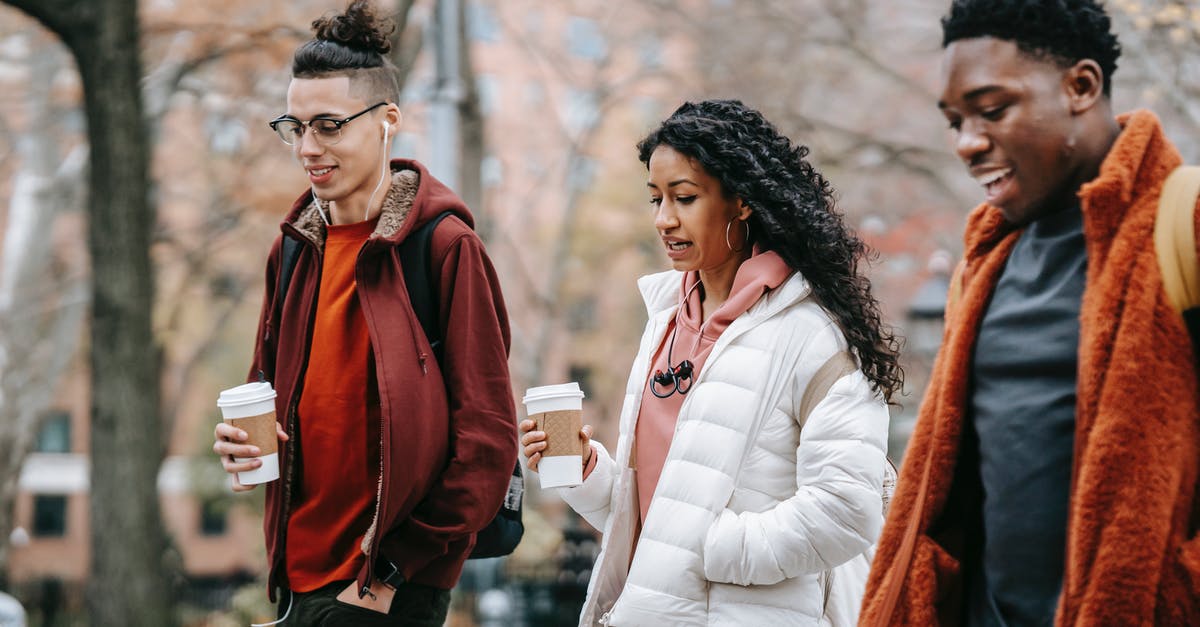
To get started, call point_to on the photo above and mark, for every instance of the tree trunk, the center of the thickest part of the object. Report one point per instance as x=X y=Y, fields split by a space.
x=128 y=585
x=471 y=137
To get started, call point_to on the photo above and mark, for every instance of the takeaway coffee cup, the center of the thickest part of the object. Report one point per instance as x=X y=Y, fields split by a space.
x=251 y=408
x=558 y=410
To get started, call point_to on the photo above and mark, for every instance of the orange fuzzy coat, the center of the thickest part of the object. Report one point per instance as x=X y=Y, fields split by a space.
x=1133 y=555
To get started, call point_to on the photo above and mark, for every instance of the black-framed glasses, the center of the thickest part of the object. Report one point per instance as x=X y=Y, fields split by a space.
x=328 y=131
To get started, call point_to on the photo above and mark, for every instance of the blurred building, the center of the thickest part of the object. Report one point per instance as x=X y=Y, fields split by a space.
x=216 y=539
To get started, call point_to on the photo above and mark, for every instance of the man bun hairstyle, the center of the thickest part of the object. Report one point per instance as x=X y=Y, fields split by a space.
x=1062 y=31
x=355 y=44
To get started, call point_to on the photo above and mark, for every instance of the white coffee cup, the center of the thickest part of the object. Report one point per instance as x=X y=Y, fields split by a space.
x=558 y=410
x=251 y=408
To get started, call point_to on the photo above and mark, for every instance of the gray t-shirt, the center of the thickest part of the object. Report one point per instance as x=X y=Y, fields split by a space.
x=1023 y=411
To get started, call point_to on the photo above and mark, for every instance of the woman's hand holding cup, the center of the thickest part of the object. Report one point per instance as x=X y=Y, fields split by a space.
x=555 y=419
x=533 y=442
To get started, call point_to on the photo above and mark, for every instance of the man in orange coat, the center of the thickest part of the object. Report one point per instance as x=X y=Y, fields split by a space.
x=1052 y=475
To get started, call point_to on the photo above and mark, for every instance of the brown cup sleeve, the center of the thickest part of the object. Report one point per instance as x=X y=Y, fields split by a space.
x=562 y=432
x=260 y=430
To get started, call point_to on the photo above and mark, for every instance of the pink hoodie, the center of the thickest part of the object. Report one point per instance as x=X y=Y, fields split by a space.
x=693 y=340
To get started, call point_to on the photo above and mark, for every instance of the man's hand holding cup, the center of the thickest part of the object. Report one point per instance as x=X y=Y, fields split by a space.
x=248 y=438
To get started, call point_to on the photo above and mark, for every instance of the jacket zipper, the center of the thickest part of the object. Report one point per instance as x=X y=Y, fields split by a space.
x=372 y=548
x=283 y=510
x=718 y=347
x=284 y=507
x=375 y=529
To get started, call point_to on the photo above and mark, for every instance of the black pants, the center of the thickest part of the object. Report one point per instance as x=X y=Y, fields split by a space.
x=414 y=605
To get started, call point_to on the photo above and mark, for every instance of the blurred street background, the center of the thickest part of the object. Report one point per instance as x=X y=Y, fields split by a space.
x=530 y=110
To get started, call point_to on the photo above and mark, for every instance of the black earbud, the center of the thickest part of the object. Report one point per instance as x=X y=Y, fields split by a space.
x=673 y=379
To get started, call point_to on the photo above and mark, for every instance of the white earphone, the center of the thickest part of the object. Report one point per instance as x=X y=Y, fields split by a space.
x=383 y=170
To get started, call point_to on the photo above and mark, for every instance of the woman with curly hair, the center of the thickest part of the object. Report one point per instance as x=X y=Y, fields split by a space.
x=746 y=484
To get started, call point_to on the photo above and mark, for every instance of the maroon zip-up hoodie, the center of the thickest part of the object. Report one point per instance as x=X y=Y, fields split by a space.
x=449 y=439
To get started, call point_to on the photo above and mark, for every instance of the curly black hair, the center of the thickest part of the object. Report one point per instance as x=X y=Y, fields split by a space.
x=354 y=43
x=792 y=213
x=1064 y=31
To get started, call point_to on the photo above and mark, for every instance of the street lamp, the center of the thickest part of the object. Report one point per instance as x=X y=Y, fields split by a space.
x=926 y=311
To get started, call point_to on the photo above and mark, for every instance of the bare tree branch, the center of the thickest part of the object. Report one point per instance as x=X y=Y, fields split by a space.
x=407 y=40
x=165 y=80
x=1136 y=48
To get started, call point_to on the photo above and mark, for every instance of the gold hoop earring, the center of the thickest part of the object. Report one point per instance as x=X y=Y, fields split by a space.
x=745 y=239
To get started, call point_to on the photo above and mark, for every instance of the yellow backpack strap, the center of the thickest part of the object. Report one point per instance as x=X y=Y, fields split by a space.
x=1175 y=237
x=841 y=364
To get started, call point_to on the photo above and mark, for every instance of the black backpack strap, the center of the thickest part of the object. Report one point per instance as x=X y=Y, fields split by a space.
x=504 y=532
x=1191 y=318
x=289 y=252
x=418 y=277
x=415 y=253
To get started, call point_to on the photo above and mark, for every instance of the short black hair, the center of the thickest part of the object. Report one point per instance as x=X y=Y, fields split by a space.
x=353 y=44
x=1064 y=31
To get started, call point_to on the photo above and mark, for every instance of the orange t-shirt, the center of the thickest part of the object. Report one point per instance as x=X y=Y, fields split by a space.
x=339 y=427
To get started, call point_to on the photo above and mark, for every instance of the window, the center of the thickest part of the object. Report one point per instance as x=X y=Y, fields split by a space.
x=582 y=375
x=226 y=135
x=213 y=517
x=585 y=40
x=581 y=315
x=224 y=285
x=488 y=89
x=491 y=171
x=650 y=52
x=406 y=144
x=649 y=110
x=482 y=24
x=54 y=436
x=49 y=515
x=534 y=94
x=580 y=173
x=534 y=22
x=581 y=110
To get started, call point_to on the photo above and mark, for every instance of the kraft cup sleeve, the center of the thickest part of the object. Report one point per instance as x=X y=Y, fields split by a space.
x=260 y=430
x=562 y=432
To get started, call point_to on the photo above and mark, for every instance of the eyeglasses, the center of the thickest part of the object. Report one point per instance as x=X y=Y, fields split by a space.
x=327 y=131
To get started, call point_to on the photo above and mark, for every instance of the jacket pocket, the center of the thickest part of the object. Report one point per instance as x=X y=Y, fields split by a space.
x=1181 y=597
x=933 y=577
x=1189 y=558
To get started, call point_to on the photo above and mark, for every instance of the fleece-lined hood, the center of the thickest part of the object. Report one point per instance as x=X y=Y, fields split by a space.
x=413 y=198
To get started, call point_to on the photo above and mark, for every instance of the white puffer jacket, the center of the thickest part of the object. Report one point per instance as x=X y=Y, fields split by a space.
x=753 y=508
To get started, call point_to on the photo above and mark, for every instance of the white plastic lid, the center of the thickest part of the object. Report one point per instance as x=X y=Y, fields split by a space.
x=246 y=394
x=562 y=390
